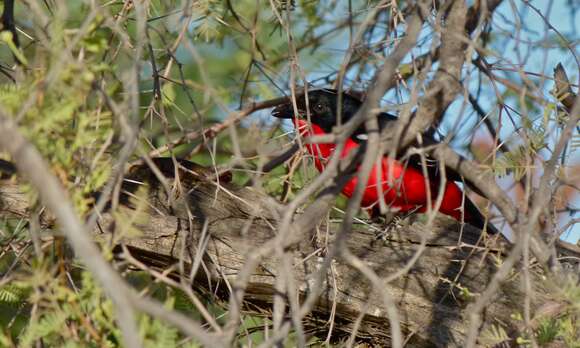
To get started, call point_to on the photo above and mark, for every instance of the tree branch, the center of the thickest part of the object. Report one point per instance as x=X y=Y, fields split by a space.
x=32 y=166
x=432 y=298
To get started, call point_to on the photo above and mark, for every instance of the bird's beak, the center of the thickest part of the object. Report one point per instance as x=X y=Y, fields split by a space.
x=283 y=111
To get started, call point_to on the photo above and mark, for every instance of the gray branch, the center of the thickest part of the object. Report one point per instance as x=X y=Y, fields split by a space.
x=432 y=298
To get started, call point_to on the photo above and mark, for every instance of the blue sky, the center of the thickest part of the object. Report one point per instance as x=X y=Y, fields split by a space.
x=542 y=61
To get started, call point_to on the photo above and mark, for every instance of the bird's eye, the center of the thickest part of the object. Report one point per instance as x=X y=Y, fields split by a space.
x=318 y=107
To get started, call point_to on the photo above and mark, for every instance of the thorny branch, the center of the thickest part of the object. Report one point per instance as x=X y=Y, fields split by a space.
x=31 y=165
x=426 y=82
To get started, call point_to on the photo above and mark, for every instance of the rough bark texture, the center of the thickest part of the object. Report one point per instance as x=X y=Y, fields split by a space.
x=432 y=298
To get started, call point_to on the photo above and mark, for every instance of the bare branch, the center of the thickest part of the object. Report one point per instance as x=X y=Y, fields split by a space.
x=31 y=165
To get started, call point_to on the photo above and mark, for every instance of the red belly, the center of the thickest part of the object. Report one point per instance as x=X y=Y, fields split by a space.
x=404 y=189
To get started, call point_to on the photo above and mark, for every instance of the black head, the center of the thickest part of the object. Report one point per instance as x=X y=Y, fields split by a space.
x=323 y=108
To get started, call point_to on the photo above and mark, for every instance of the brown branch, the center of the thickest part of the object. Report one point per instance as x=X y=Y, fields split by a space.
x=483 y=67
x=378 y=89
x=32 y=166
x=527 y=232
x=431 y=298
x=484 y=180
x=446 y=83
x=214 y=130
x=441 y=92
x=474 y=17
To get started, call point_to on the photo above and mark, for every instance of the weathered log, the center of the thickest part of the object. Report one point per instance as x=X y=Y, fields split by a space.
x=432 y=298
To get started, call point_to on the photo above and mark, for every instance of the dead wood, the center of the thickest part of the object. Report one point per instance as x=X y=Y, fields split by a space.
x=432 y=298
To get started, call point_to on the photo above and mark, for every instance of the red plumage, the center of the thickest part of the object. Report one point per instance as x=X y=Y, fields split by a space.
x=405 y=191
x=404 y=185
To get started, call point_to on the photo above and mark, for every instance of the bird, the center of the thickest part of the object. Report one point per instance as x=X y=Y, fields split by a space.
x=404 y=185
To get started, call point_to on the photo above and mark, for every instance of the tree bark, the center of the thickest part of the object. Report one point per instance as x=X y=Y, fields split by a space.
x=432 y=298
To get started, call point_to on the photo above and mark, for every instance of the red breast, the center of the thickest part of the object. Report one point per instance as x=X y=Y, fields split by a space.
x=404 y=188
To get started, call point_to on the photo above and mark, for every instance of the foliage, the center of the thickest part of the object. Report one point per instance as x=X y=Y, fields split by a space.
x=89 y=78
x=71 y=100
